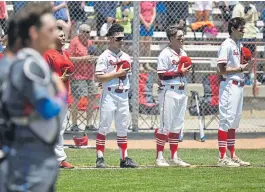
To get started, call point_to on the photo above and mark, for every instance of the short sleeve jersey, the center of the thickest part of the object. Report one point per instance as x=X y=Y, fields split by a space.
x=229 y=53
x=106 y=63
x=168 y=62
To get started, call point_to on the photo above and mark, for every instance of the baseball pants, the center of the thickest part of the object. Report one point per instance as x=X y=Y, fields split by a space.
x=114 y=106
x=230 y=105
x=173 y=103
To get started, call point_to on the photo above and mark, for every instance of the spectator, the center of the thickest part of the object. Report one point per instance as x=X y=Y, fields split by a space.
x=3 y=17
x=77 y=15
x=17 y=5
x=105 y=14
x=249 y=12
x=124 y=16
x=61 y=14
x=202 y=10
x=60 y=63
x=82 y=83
x=227 y=8
x=238 y=10
x=177 y=13
x=147 y=18
x=161 y=19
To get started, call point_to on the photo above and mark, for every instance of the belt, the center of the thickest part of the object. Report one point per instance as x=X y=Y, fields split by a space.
x=235 y=82
x=179 y=87
x=117 y=90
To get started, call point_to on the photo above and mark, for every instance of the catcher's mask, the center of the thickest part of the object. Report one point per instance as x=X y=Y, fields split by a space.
x=81 y=141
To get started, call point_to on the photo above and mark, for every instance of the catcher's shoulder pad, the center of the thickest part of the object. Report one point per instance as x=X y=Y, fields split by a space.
x=37 y=71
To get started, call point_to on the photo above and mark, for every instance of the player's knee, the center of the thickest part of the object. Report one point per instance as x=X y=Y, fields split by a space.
x=163 y=131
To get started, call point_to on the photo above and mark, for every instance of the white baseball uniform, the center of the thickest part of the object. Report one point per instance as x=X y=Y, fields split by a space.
x=231 y=87
x=173 y=99
x=114 y=99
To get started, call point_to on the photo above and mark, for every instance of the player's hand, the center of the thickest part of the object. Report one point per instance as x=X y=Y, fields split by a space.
x=59 y=83
x=65 y=75
x=244 y=66
x=186 y=70
x=122 y=72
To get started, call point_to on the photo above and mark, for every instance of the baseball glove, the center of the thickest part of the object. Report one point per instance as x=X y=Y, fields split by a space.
x=184 y=60
x=124 y=65
x=245 y=55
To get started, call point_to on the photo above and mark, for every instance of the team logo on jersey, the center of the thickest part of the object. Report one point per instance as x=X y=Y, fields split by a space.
x=235 y=52
x=111 y=62
x=174 y=62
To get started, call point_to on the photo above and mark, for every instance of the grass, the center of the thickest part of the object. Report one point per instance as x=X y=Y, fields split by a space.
x=163 y=179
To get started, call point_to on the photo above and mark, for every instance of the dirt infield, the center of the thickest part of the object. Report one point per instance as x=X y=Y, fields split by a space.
x=209 y=144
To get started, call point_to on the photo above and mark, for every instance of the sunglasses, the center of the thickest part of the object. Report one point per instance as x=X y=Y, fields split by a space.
x=86 y=32
x=240 y=30
x=118 y=38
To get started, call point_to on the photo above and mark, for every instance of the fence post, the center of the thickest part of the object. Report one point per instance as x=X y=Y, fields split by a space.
x=135 y=67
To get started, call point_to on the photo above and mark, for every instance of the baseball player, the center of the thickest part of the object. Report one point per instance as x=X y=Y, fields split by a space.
x=173 y=99
x=6 y=134
x=34 y=98
x=61 y=64
x=112 y=69
x=231 y=70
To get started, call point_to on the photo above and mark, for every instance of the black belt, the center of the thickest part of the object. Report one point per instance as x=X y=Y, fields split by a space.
x=117 y=90
x=235 y=82
x=180 y=87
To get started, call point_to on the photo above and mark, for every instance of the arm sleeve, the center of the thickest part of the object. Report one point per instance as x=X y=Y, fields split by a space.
x=223 y=54
x=101 y=66
x=162 y=64
x=50 y=62
x=48 y=108
x=71 y=49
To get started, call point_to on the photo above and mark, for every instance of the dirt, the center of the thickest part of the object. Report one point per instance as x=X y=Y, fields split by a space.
x=208 y=144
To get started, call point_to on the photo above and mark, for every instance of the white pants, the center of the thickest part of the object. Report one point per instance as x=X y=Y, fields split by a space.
x=59 y=147
x=114 y=106
x=203 y=5
x=173 y=103
x=230 y=105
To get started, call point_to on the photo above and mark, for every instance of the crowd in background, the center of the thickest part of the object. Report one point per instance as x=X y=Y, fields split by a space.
x=77 y=24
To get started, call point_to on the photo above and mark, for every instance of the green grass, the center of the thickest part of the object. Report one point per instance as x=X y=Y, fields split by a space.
x=163 y=179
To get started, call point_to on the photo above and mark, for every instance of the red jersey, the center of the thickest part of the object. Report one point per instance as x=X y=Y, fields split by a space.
x=58 y=63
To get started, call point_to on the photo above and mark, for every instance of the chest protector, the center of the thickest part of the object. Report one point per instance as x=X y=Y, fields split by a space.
x=37 y=70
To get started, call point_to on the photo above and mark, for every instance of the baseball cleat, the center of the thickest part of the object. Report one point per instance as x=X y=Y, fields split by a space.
x=128 y=163
x=240 y=162
x=161 y=163
x=203 y=139
x=66 y=165
x=227 y=162
x=100 y=163
x=178 y=162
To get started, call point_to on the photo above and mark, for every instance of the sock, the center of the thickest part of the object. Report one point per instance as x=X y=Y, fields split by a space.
x=160 y=144
x=231 y=135
x=173 y=139
x=122 y=143
x=222 y=142
x=100 y=144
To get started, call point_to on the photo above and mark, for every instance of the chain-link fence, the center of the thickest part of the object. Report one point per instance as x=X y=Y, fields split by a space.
x=205 y=27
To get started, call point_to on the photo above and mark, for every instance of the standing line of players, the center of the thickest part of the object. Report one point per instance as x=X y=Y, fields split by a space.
x=36 y=112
